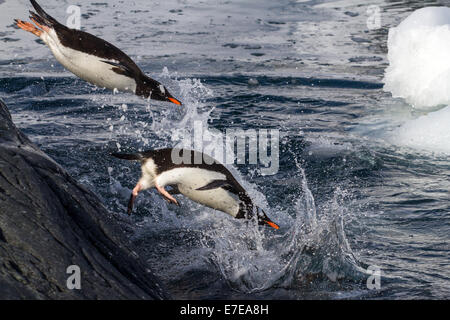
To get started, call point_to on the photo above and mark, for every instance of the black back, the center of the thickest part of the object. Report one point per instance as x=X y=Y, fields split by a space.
x=90 y=44
x=85 y=42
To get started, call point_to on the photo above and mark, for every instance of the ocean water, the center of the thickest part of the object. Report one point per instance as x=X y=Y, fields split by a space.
x=349 y=196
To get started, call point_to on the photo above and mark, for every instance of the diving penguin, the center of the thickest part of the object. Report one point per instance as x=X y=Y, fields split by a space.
x=196 y=176
x=93 y=59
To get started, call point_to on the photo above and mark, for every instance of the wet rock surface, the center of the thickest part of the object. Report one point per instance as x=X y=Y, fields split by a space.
x=49 y=222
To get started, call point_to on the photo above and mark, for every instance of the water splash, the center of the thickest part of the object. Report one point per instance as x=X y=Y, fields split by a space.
x=193 y=94
x=254 y=259
x=249 y=257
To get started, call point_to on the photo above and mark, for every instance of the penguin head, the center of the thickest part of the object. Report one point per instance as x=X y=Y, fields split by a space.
x=154 y=90
x=247 y=211
x=265 y=220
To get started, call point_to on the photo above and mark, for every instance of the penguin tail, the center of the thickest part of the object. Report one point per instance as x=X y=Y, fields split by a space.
x=128 y=156
x=42 y=17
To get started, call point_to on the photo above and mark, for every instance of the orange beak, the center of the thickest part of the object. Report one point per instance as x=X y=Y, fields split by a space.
x=173 y=100
x=272 y=224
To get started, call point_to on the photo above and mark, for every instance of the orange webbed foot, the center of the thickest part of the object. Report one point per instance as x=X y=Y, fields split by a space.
x=28 y=26
x=45 y=28
x=166 y=195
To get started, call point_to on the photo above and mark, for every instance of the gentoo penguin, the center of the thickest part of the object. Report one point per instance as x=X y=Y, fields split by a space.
x=93 y=59
x=196 y=176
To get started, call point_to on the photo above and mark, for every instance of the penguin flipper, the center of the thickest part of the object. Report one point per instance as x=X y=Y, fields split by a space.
x=120 y=68
x=214 y=185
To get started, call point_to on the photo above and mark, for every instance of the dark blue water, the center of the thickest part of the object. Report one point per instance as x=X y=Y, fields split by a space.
x=346 y=197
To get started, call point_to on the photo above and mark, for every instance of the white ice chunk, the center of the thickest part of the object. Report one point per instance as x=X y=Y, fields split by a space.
x=419 y=58
x=429 y=132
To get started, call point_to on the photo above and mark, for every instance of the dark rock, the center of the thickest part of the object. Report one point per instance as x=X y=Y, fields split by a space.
x=49 y=222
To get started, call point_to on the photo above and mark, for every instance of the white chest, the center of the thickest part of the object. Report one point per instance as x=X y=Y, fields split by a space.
x=190 y=179
x=88 y=67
